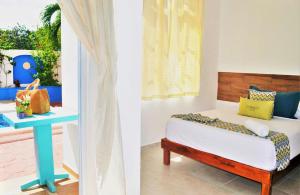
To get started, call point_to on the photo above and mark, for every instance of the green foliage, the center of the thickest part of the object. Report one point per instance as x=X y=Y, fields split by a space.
x=51 y=11
x=46 y=61
x=46 y=41
x=5 y=40
x=48 y=13
x=43 y=39
x=17 y=38
x=21 y=38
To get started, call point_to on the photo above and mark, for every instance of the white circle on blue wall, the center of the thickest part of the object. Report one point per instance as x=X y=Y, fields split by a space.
x=26 y=65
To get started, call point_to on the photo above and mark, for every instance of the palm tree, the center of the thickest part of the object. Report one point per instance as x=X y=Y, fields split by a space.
x=50 y=11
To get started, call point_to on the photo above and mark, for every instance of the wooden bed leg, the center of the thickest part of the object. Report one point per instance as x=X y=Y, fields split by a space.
x=167 y=154
x=266 y=185
x=265 y=189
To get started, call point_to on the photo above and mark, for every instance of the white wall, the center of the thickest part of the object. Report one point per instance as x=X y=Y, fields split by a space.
x=69 y=69
x=128 y=17
x=5 y=67
x=260 y=36
x=156 y=113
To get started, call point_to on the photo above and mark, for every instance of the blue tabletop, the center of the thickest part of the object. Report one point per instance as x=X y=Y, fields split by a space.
x=56 y=115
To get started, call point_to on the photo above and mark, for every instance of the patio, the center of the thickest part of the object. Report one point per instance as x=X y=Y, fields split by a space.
x=17 y=153
x=17 y=163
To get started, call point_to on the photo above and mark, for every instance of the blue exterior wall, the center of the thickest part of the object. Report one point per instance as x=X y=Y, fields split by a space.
x=53 y=91
x=21 y=74
x=25 y=77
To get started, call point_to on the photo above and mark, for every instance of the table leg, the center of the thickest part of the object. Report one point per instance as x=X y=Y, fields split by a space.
x=44 y=153
x=61 y=176
x=30 y=184
x=44 y=159
x=51 y=186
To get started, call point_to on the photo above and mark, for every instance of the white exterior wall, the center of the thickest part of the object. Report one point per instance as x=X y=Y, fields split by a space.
x=128 y=17
x=6 y=81
x=69 y=69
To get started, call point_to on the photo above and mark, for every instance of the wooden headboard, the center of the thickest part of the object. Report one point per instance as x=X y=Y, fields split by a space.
x=232 y=86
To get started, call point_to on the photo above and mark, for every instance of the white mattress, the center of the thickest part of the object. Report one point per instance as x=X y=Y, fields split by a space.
x=251 y=150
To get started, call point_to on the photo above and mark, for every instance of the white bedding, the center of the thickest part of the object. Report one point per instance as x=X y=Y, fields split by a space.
x=251 y=150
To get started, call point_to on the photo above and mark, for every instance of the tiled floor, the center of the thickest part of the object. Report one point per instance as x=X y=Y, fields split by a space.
x=64 y=187
x=188 y=177
x=17 y=158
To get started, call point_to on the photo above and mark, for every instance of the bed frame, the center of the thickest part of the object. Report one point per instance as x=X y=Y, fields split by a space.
x=229 y=91
x=266 y=178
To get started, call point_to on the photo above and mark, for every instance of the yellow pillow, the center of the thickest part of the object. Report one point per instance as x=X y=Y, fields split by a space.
x=256 y=109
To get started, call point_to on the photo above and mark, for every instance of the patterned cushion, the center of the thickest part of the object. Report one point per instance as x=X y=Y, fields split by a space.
x=261 y=95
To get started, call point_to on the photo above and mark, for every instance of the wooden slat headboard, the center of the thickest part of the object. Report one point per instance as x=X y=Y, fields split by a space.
x=232 y=86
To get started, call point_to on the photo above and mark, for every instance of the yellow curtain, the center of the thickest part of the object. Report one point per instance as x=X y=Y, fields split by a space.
x=172 y=48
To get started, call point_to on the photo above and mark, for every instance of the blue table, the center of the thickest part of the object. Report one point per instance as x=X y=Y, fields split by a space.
x=42 y=129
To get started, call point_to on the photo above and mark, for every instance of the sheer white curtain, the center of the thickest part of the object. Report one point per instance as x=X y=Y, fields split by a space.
x=102 y=170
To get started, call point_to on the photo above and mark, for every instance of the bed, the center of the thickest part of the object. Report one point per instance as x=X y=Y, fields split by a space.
x=245 y=155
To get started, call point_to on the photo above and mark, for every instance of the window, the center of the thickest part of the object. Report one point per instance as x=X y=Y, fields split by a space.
x=172 y=48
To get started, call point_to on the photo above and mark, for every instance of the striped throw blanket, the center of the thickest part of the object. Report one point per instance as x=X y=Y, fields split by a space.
x=280 y=140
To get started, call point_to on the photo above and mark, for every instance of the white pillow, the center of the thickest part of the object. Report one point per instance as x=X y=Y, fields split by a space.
x=297 y=114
